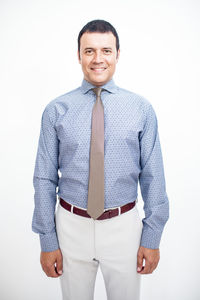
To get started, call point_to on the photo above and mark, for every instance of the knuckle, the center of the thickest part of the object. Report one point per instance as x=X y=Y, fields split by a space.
x=49 y=274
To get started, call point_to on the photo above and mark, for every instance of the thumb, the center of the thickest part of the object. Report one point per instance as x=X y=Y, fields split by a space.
x=139 y=261
x=59 y=264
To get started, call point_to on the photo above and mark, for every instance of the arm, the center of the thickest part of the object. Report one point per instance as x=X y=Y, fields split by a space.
x=45 y=181
x=152 y=185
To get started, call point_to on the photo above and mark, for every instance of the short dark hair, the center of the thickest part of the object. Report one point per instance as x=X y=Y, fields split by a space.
x=98 y=26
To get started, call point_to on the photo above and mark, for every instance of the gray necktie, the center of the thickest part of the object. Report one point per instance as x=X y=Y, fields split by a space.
x=96 y=178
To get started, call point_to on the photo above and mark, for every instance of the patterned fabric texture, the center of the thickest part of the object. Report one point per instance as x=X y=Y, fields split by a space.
x=132 y=156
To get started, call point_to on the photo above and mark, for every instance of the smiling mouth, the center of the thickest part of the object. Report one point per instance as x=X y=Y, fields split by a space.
x=98 y=70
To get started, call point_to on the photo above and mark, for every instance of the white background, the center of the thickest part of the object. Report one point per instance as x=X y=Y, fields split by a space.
x=160 y=46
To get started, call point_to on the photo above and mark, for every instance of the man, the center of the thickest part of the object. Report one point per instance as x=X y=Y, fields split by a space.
x=103 y=140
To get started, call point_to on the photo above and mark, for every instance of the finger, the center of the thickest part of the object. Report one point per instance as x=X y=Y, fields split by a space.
x=139 y=261
x=59 y=265
x=149 y=269
x=51 y=271
x=146 y=269
x=154 y=265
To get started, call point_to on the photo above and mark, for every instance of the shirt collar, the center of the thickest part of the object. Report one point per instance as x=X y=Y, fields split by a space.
x=109 y=86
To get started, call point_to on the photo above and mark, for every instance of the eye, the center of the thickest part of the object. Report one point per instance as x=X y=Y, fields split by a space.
x=89 y=51
x=107 y=51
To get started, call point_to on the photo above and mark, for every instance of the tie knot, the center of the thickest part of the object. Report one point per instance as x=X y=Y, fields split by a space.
x=97 y=91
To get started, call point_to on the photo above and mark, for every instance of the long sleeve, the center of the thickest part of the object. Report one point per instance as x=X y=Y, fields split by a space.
x=152 y=183
x=45 y=181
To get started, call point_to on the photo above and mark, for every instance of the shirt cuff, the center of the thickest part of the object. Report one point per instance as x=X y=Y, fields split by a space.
x=49 y=242
x=150 y=238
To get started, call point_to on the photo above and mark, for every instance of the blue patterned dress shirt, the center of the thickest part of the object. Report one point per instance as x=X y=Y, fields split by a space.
x=132 y=155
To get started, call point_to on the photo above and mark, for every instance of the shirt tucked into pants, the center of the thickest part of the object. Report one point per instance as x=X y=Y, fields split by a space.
x=111 y=244
x=132 y=155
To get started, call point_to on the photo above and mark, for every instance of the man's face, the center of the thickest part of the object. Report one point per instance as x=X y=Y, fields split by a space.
x=98 y=56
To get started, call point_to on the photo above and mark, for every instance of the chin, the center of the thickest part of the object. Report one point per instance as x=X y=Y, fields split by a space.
x=99 y=81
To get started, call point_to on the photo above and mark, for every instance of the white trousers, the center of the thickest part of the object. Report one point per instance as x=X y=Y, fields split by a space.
x=86 y=243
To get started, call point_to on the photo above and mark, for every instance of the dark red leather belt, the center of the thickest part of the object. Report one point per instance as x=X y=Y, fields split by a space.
x=106 y=215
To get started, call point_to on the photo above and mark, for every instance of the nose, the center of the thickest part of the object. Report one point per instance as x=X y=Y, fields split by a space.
x=98 y=58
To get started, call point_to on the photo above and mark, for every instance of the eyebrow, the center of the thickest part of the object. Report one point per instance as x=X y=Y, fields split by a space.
x=90 y=48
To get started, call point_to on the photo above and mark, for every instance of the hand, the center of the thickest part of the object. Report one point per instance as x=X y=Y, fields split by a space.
x=48 y=261
x=151 y=256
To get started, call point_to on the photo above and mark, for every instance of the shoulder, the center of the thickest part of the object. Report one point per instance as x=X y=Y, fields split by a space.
x=136 y=98
x=59 y=105
x=62 y=99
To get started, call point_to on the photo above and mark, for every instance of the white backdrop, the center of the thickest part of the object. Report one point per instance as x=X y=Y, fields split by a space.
x=160 y=46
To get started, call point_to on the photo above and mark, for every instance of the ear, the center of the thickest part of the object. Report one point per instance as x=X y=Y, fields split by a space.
x=79 y=58
x=118 y=53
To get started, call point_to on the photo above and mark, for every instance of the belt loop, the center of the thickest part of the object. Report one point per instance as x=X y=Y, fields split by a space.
x=72 y=206
x=119 y=210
